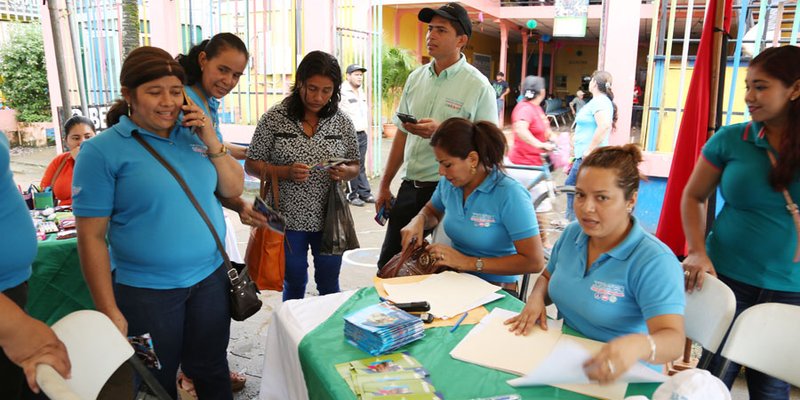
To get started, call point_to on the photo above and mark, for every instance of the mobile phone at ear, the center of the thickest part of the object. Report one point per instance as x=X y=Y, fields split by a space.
x=407 y=118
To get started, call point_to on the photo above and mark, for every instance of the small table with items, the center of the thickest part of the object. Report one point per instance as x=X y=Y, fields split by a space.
x=305 y=341
x=56 y=286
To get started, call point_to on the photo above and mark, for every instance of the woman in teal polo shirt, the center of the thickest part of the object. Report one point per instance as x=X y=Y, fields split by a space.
x=611 y=280
x=169 y=279
x=488 y=215
x=753 y=244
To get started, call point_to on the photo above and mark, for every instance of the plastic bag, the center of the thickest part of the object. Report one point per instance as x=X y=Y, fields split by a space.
x=414 y=260
x=339 y=233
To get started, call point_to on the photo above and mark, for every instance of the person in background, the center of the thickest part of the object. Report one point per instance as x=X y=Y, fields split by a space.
x=486 y=214
x=578 y=102
x=611 y=280
x=753 y=246
x=501 y=90
x=593 y=124
x=24 y=341
x=446 y=87
x=354 y=105
x=170 y=279
x=213 y=68
x=304 y=130
x=58 y=174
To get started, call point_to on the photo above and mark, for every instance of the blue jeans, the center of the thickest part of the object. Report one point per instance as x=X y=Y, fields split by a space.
x=572 y=178
x=326 y=268
x=189 y=326
x=760 y=386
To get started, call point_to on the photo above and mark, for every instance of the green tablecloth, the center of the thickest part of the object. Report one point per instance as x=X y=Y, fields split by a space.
x=56 y=287
x=325 y=346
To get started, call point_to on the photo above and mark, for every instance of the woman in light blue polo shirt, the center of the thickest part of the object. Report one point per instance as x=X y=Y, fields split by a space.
x=488 y=215
x=169 y=280
x=593 y=125
x=753 y=245
x=611 y=280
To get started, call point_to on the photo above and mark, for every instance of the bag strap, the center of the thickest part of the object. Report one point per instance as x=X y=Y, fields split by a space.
x=273 y=175
x=791 y=206
x=58 y=171
x=233 y=275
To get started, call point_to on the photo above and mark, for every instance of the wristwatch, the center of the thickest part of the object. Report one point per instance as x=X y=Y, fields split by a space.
x=479 y=264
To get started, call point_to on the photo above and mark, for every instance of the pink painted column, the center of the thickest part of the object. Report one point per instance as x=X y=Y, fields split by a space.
x=524 y=56
x=502 y=66
x=621 y=43
x=317 y=27
x=165 y=29
x=541 y=56
x=52 y=73
x=552 y=66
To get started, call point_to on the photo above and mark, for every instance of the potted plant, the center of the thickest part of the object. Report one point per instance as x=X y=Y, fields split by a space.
x=397 y=64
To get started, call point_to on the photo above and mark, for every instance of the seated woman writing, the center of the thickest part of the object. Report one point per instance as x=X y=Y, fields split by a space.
x=611 y=280
x=488 y=215
x=58 y=174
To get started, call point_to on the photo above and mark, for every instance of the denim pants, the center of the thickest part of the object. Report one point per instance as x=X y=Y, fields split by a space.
x=359 y=186
x=190 y=327
x=326 y=268
x=759 y=385
x=572 y=178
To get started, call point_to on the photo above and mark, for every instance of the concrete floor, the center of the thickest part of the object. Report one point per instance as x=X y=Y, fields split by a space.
x=246 y=347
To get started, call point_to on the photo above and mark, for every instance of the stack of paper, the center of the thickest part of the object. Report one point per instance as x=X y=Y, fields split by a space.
x=392 y=376
x=449 y=293
x=382 y=328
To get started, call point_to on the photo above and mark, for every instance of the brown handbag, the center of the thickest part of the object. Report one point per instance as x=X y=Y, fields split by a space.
x=414 y=260
x=265 y=255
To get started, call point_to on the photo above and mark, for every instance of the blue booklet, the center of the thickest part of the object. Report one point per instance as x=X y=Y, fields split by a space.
x=382 y=328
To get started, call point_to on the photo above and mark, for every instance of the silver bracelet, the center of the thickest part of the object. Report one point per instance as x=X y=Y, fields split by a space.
x=652 y=342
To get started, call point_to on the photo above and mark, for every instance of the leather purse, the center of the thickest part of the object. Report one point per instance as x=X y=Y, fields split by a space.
x=244 y=301
x=414 y=260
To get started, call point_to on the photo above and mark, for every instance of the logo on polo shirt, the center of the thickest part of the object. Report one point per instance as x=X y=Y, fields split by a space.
x=200 y=148
x=482 y=220
x=453 y=104
x=608 y=292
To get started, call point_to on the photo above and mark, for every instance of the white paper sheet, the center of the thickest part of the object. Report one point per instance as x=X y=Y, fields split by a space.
x=449 y=293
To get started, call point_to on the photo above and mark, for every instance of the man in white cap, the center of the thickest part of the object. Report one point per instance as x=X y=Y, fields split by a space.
x=446 y=87
x=354 y=104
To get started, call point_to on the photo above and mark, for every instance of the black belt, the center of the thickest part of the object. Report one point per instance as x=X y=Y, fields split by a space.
x=423 y=184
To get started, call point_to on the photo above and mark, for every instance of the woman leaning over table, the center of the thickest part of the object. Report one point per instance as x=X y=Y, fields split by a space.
x=593 y=125
x=303 y=130
x=78 y=129
x=213 y=68
x=611 y=280
x=753 y=244
x=170 y=280
x=487 y=215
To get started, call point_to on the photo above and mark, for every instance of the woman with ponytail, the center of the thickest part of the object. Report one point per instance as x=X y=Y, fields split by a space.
x=753 y=245
x=487 y=215
x=593 y=125
x=170 y=280
x=610 y=279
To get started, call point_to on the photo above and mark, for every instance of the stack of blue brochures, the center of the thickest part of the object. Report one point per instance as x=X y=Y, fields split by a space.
x=382 y=328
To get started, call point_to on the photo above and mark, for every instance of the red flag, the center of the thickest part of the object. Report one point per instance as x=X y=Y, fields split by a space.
x=692 y=135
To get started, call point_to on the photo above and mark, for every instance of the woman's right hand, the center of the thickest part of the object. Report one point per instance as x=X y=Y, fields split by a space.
x=299 y=172
x=119 y=320
x=533 y=313
x=411 y=234
x=695 y=265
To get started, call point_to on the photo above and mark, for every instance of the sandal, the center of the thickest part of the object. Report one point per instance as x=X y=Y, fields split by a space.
x=186 y=385
x=238 y=380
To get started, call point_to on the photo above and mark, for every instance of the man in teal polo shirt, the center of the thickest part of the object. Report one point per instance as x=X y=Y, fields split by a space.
x=446 y=87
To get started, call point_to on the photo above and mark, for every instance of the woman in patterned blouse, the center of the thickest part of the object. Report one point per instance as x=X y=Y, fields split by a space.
x=304 y=130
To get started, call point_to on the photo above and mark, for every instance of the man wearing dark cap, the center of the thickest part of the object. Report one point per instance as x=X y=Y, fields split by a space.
x=354 y=104
x=446 y=87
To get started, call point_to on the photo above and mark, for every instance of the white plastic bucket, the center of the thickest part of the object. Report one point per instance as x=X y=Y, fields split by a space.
x=366 y=257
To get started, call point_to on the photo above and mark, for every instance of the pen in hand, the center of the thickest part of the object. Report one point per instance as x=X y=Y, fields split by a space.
x=458 y=323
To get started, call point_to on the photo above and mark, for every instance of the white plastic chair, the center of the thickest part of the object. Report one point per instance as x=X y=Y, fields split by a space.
x=96 y=349
x=709 y=313
x=764 y=338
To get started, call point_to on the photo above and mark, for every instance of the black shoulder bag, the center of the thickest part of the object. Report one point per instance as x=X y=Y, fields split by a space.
x=244 y=300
